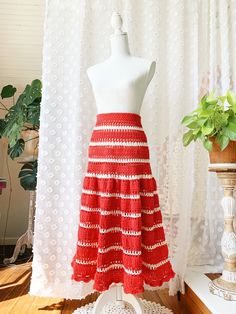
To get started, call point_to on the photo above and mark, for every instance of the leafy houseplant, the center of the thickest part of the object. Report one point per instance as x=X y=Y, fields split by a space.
x=214 y=123
x=20 y=126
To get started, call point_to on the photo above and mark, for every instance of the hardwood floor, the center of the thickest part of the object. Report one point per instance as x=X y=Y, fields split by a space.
x=14 y=298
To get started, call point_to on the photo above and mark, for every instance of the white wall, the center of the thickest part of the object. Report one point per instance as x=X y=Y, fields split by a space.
x=21 y=35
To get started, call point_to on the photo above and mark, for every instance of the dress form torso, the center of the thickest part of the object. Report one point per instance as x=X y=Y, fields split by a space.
x=120 y=86
x=119 y=83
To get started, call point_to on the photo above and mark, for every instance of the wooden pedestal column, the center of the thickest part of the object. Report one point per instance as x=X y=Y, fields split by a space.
x=225 y=286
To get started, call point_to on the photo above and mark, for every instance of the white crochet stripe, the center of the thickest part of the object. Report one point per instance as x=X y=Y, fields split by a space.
x=110 y=212
x=119 y=248
x=132 y=196
x=118 y=160
x=85 y=262
x=119 y=266
x=132 y=272
x=113 y=229
x=103 y=194
x=154 y=246
x=87 y=244
x=155 y=266
x=150 y=211
x=118 y=229
x=107 y=249
x=124 y=143
x=90 y=209
x=152 y=227
x=88 y=226
x=119 y=212
x=105 y=269
x=118 y=127
x=135 y=253
x=118 y=176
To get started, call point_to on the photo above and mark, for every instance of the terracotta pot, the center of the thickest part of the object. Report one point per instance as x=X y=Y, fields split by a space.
x=228 y=155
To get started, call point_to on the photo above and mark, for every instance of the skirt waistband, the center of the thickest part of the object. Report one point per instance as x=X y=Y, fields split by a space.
x=119 y=118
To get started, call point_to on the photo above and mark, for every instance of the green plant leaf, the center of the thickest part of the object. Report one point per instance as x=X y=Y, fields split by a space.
x=232 y=119
x=222 y=99
x=232 y=126
x=202 y=103
x=187 y=120
x=231 y=134
x=207 y=144
x=33 y=112
x=16 y=150
x=33 y=92
x=8 y=91
x=196 y=135
x=188 y=137
x=206 y=113
x=208 y=127
x=211 y=99
x=231 y=98
x=201 y=121
x=2 y=126
x=195 y=131
x=14 y=133
x=193 y=125
x=222 y=140
x=28 y=175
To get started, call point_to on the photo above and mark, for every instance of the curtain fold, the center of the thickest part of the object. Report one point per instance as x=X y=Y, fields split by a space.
x=193 y=44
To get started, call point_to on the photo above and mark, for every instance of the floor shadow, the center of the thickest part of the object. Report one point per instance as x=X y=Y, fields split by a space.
x=16 y=290
x=52 y=307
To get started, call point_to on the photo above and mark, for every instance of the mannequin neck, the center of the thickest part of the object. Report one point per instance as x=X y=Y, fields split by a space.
x=119 y=46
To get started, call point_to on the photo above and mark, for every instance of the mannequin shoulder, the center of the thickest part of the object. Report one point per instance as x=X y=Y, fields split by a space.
x=97 y=69
x=148 y=65
x=151 y=68
x=92 y=70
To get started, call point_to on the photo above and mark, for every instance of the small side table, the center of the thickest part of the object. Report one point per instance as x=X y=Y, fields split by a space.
x=3 y=184
x=225 y=286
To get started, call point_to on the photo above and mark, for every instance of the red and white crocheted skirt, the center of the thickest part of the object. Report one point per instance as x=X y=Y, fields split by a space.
x=120 y=235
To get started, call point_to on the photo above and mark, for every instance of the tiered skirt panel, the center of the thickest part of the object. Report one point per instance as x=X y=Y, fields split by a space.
x=120 y=236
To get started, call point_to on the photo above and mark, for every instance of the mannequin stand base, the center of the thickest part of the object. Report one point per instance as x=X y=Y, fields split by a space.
x=113 y=308
x=223 y=289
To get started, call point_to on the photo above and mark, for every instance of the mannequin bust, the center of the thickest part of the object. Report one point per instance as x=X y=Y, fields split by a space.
x=119 y=83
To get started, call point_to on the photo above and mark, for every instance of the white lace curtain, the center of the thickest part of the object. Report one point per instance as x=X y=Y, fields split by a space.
x=193 y=43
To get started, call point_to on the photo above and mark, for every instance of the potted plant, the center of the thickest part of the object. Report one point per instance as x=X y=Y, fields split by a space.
x=214 y=123
x=20 y=127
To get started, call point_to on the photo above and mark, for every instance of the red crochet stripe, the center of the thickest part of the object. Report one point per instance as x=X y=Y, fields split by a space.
x=113 y=247
x=120 y=169
x=110 y=152
x=120 y=186
x=119 y=118
x=115 y=202
x=100 y=135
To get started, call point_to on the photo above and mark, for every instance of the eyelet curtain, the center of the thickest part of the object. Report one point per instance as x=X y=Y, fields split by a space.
x=193 y=44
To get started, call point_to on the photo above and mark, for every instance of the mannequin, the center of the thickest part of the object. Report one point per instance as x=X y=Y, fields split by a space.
x=127 y=77
x=121 y=74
